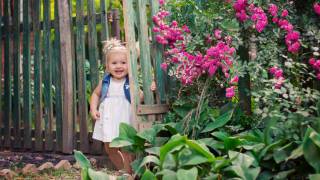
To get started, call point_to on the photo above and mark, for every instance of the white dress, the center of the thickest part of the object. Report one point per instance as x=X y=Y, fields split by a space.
x=114 y=109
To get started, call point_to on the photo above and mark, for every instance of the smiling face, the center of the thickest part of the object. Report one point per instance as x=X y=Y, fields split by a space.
x=117 y=64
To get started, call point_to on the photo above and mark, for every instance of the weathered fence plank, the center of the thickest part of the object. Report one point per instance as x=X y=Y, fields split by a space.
x=47 y=76
x=82 y=101
x=104 y=21
x=93 y=59
x=157 y=50
x=129 y=19
x=26 y=75
x=37 y=77
x=16 y=116
x=7 y=76
x=1 y=106
x=66 y=74
x=57 y=71
x=115 y=25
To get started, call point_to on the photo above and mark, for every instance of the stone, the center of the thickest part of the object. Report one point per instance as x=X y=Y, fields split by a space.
x=46 y=165
x=76 y=165
x=29 y=169
x=63 y=164
x=7 y=174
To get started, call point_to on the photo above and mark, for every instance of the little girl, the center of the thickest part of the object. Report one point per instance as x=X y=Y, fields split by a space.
x=112 y=97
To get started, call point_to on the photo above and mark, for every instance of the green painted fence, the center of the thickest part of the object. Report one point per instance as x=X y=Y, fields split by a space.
x=50 y=65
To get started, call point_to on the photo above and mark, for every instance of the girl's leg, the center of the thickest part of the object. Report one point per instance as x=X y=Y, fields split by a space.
x=115 y=157
x=128 y=158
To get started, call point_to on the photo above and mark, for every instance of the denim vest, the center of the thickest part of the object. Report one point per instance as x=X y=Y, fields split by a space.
x=105 y=86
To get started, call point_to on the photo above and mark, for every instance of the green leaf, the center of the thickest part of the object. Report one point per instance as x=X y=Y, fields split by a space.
x=202 y=149
x=84 y=174
x=219 y=122
x=241 y=159
x=175 y=141
x=81 y=159
x=315 y=137
x=120 y=142
x=97 y=175
x=231 y=143
x=148 y=134
x=311 y=151
x=148 y=175
x=167 y=174
x=296 y=153
x=314 y=176
x=169 y=162
x=126 y=131
x=283 y=174
x=246 y=173
x=153 y=150
x=147 y=160
x=190 y=157
x=190 y=174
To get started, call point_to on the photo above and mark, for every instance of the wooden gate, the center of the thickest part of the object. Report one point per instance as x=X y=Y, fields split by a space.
x=51 y=59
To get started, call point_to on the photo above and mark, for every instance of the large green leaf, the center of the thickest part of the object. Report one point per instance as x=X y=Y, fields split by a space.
x=296 y=153
x=283 y=174
x=148 y=134
x=201 y=149
x=169 y=162
x=311 y=151
x=315 y=137
x=241 y=159
x=126 y=131
x=153 y=150
x=149 y=159
x=314 y=176
x=81 y=159
x=148 y=175
x=121 y=142
x=187 y=174
x=175 y=141
x=246 y=173
x=167 y=174
x=190 y=157
x=97 y=175
x=219 y=122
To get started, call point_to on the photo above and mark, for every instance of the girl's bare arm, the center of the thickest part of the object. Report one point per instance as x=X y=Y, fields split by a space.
x=94 y=101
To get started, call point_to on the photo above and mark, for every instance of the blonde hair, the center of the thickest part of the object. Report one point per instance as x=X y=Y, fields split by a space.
x=113 y=45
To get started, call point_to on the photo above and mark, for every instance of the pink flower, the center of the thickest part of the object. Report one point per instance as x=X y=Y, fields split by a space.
x=161 y=2
x=234 y=80
x=242 y=16
x=284 y=13
x=294 y=48
x=186 y=29
x=316 y=7
x=312 y=61
x=217 y=33
x=275 y=20
x=164 y=66
x=278 y=73
x=273 y=9
x=230 y=92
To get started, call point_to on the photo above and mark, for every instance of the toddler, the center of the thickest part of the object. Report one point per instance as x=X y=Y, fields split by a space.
x=110 y=102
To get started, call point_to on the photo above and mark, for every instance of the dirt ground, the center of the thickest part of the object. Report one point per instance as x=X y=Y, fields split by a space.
x=16 y=161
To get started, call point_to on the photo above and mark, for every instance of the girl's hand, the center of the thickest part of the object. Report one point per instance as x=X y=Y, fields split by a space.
x=153 y=86
x=95 y=114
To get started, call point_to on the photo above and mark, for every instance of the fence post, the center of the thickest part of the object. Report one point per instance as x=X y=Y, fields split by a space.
x=66 y=73
x=115 y=23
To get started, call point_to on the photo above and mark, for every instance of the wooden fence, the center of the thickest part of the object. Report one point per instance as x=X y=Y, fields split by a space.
x=51 y=64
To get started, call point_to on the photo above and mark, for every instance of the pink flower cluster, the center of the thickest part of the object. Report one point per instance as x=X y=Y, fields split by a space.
x=292 y=37
x=167 y=34
x=278 y=76
x=315 y=65
x=316 y=8
x=258 y=16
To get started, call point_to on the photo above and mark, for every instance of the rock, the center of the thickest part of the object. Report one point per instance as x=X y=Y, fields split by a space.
x=93 y=162
x=47 y=165
x=29 y=169
x=7 y=173
x=63 y=164
x=76 y=165
x=39 y=158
